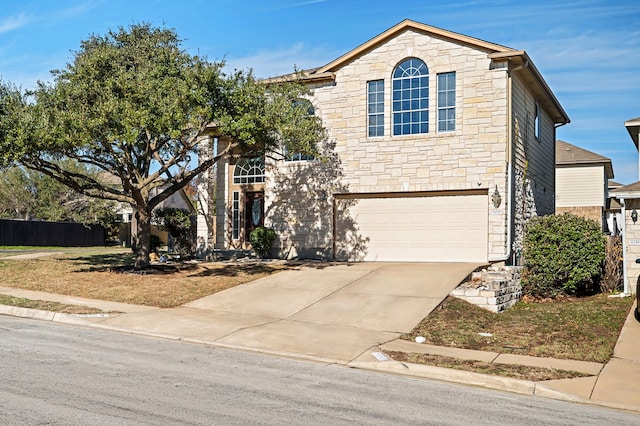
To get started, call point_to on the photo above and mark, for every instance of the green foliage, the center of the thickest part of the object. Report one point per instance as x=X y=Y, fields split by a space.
x=133 y=103
x=30 y=195
x=262 y=240
x=563 y=254
x=179 y=224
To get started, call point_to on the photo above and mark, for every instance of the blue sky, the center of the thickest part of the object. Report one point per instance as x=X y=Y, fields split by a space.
x=587 y=50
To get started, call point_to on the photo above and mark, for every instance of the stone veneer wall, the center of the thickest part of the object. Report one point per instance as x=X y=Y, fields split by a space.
x=632 y=237
x=471 y=157
x=494 y=288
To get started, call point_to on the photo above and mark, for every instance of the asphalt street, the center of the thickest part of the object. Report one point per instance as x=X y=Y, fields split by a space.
x=61 y=374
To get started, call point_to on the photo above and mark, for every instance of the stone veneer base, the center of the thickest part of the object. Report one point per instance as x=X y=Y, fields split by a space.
x=494 y=288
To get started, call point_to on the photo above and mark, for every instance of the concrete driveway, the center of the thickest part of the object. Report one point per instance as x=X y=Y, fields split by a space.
x=375 y=296
x=330 y=312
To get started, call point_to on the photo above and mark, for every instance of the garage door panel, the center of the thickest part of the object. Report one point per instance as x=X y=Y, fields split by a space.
x=436 y=228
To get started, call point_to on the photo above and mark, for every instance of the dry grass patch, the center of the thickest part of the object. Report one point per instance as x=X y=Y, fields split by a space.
x=570 y=328
x=522 y=372
x=47 y=305
x=92 y=273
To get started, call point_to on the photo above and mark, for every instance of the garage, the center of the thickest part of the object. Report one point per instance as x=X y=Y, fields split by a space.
x=421 y=227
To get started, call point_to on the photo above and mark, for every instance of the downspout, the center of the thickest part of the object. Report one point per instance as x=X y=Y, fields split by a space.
x=625 y=275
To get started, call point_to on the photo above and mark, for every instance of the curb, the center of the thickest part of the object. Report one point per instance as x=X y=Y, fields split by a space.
x=506 y=384
x=469 y=378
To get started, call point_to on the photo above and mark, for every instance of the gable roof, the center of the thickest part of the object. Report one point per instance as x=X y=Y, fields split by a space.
x=633 y=127
x=568 y=154
x=405 y=25
x=519 y=62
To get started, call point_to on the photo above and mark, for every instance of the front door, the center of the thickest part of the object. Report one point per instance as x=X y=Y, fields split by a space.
x=253 y=212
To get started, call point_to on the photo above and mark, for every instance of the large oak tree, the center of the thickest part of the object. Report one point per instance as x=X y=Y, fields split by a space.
x=135 y=104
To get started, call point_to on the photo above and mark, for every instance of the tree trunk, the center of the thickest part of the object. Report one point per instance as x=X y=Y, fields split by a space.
x=141 y=236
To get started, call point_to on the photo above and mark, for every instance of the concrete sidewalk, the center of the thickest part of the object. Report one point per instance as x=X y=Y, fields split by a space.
x=292 y=330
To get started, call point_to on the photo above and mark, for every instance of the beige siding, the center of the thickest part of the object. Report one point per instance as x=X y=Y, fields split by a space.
x=534 y=156
x=580 y=186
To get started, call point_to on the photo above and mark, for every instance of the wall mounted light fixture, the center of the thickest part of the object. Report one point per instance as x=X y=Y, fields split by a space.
x=634 y=215
x=496 y=198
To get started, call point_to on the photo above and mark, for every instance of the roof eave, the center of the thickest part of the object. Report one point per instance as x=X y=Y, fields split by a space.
x=417 y=26
x=626 y=195
x=303 y=77
x=531 y=75
x=633 y=127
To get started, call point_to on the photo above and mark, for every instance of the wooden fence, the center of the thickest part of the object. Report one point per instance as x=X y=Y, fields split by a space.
x=61 y=234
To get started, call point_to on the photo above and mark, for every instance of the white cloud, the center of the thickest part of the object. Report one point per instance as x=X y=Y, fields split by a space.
x=77 y=10
x=283 y=60
x=14 y=22
x=298 y=4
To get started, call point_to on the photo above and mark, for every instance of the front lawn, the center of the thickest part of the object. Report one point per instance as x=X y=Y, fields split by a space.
x=93 y=273
x=569 y=328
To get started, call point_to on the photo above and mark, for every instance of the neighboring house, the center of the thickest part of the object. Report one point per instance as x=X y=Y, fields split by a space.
x=629 y=198
x=440 y=147
x=124 y=211
x=177 y=200
x=582 y=182
x=613 y=212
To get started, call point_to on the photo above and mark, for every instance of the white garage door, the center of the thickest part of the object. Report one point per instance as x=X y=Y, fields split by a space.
x=447 y=228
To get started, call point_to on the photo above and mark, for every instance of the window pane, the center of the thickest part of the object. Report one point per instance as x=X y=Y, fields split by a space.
x=375 y=108
x=446 y=101
x=235 y=209
x=410 y=96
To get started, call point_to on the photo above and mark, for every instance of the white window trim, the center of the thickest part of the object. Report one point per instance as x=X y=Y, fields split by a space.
x=235 y=216
x=448 y=107
x=377 y=113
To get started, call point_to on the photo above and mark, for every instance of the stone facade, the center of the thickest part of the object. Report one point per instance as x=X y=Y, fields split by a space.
x=494 y=289
x=632 y=244
x=300 y=198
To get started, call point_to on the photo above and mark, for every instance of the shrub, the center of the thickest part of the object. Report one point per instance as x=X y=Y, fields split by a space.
x=563 y=254
x=612 y=276
x=179 y=224
x=262 y=240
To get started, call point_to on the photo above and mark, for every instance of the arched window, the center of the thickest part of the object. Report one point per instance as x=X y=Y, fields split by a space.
x=249 y=170
x=411 y=97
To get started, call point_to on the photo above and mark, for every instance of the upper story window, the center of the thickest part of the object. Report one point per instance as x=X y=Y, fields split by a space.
x=536 y=121
x=308 y=108
x=375 y=108
x=447 y=102
x=410 y=97
x=249 y=170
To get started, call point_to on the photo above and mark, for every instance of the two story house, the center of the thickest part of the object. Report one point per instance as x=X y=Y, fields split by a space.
x=440 y=147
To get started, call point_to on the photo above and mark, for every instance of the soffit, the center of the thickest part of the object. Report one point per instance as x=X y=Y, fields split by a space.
x=628 y=191
x=520 y=63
